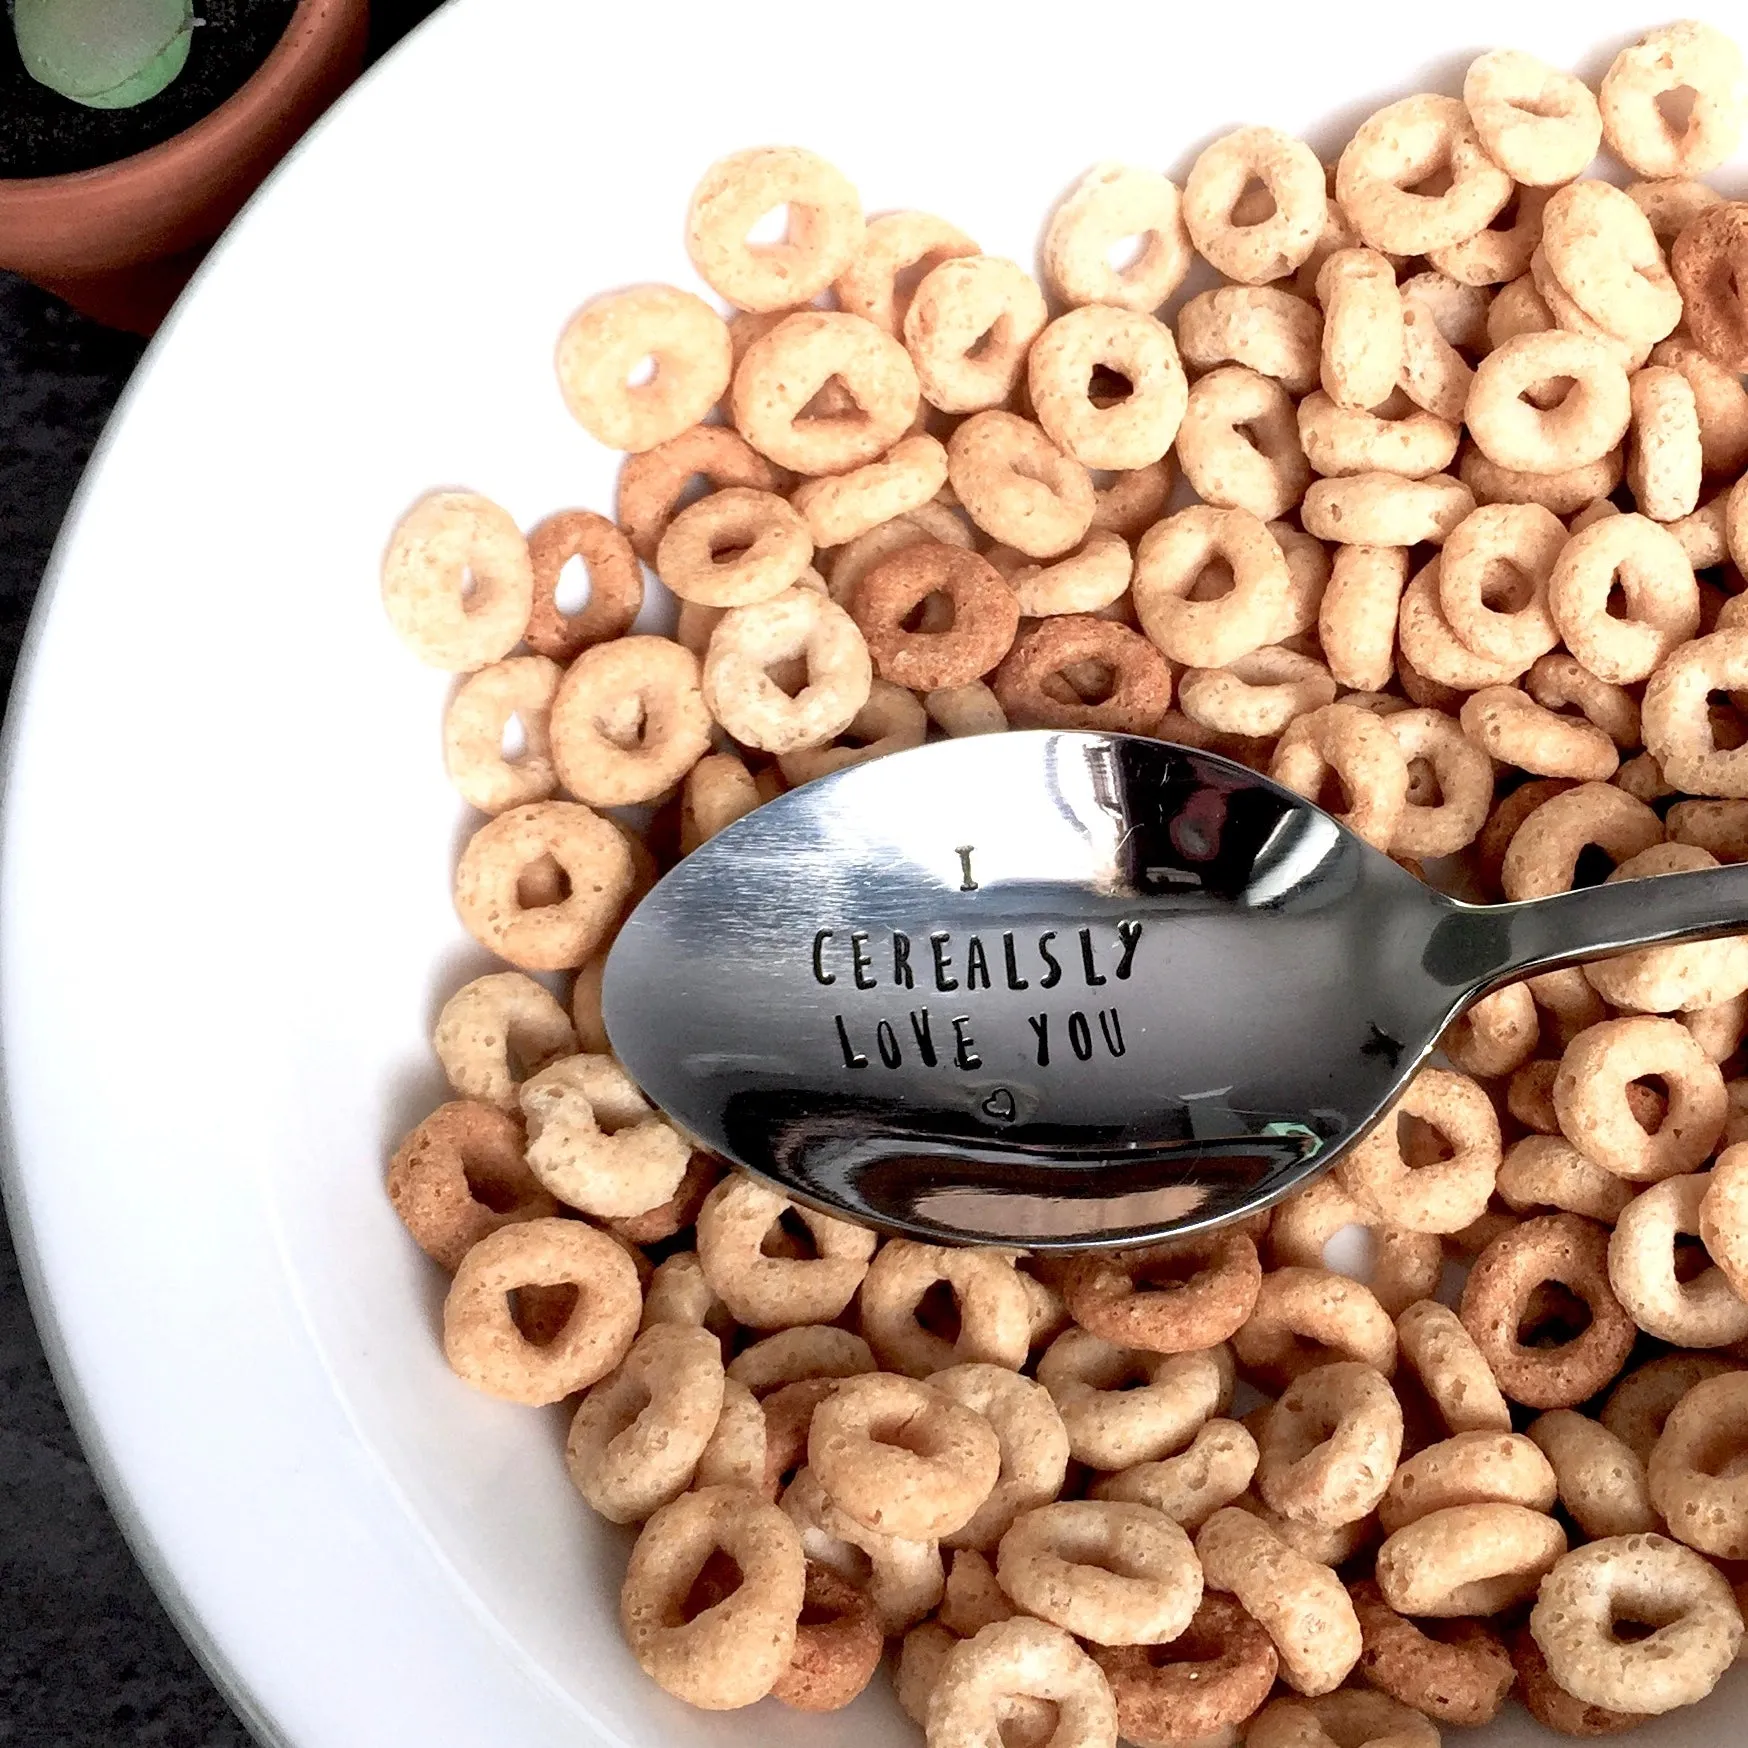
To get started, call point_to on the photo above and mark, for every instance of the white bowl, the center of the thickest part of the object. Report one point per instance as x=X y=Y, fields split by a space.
x=225 y=920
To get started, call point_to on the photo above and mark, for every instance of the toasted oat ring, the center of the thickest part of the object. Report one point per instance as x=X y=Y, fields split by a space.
x=497 y=1030
x=1547 y=1171
x=1451 y=1368
x=1383 y=509
x=1697 y=1624
x=1267 y=330
x=1493 y=580
x=1678 y=728
x=985 y=1680
x=750 y=641
x=1403 y=145
x=1662 y=980
x=995 y=1324
x=1140 y=684
x=1239 y=443
x=890 y=721
x=1122 y=1406
x=1343 y=440
x=1640 y=1404
x=1304 y=1318
x=1719 y=399
x=1033 y=1443
x=1551 y=1705
x=731 y=1654
x=650 y=488
x=1437 y=315
x=1462 y=779
x=1109 y=203
x=1018 y=486
x=1498 y=1034
x=920 y=1489
x=825 y=227
x=1299 y=1603
x=1600 y=249
x=893 y=245
x=1468 y=1468
x=838 y=1645
x=1589 y=420
x=1558 y=680
x=1444 y=1196
x=1356 y=621
x=783 y=370
x=968 y=709
x=461 y=1148
x=1590 y=1096
x=1362 y=328
x=1723 y=1216
x=1518 y=308
x=1352 y=1718
x=1601 y=1479
x=1652 y=571
x=1567 y=492
x=445 y=541
x=1675 y=56
x=1701 y=1312
x=1213 y=1471
x=968 y=329
x=1461 y=1674
x=1112 y=1573
x=1211 y=1677
x=1340 y=744
x=734 y=1454
x=800 y=1354
x=841 y=506
x=904 y=1579
x=678 y=1293
x=768 y=540
x=974 y=1599
x=1254 y=253
x=788 y=1419
x=548 y=936
x=1501 y=254
x=1173 y=558
x=1718 y=826
x=1208 y=1288
x=1135 y=431
x=678 y=1211
x=985 y=616
x=776 y=1292
x=1259 y=694
x=615 y=581
x=605 y=341
x=1468 y=1559
x=1134 y=500
x=718 y=790
x=1092 y=576
x=1664 y=459
x=1704 y=535
x=1329 y=1444
x=480 y=1337
x=1516 y=730
x=1630 y=353
x=1707 y=261
x=1572 y=1252
x=933 y=521
x=1695 y=1468
x=1405 y=1266
x=1541 y=126
x=639 y=1433
x=1670 y=203
x=1542 y=855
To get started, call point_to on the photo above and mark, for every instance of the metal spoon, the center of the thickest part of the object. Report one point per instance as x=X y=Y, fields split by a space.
x=1063 y=990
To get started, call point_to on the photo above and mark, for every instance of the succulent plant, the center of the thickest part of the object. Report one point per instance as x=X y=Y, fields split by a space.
x=106 y=54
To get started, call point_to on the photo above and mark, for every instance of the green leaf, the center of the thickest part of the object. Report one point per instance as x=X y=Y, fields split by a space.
x=106 y=54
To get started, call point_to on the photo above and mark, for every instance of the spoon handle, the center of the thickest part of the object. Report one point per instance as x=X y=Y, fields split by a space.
x=1540 y=934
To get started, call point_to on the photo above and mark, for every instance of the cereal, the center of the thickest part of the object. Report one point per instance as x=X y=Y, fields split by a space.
x=891 y=720
x=1405 y=1266
x=893 y=245
x=496 y=1031
x=1601 y=250
x=1122 y=1406
x=1329 y=1445
x=1109 y=203
x=1356 y=621
x=1270 y=248
x=1444 y=1196
x=985 y=616
x=766 y=538
x=1601 y=1479
x=1664 y=980
x=1498 y=1034
x=1173 y=558
x=1018 y=486
x=1213 y=1676
x=1460 y=1675
x=1239 y=443
x=1356 y=751
x=1206 y=1288
x=1304 y=1318
x=1362 y=328
x=1468 y=1559
x=1706 y=263
x=1540 y=125
x=1665 y=457
x=1383 y=509
x=718 y=790
x=1590 y=419
x=1516 y=730
x=1435 y=375
x=1468 y=1468
x=1679 y=732
x=1678 y=56
x=1339 y=440
x=1652 y=572
x=968 y=330
x=1551 y=1705
x=1543 y=853
x=1694 y=1468
x=1095 y=574
x=840 y=507
x=776 y=1292
x=1259 y=694
x=1547 y=1171
x=1493 y=580
x=1267 y=330
x=1033 y=1446
x=1136 y=430
x=1502 y=253
x=984 y=1677
x=836 y=1651
x=994 y=1312
x=457 y=582
x=1352 y=1716
x=1140 y=678
x=1723 y=1215
x=615 y=581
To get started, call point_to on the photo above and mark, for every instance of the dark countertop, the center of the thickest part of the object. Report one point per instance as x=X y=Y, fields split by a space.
x=88 y=1658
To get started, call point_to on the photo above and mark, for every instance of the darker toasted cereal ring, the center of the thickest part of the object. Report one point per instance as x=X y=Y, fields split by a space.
x=1457 y=1672
x=985 y=616
x=1573 y=1253
x=1140 y=685
x=1134 y=500
x=615 y=579
x=1552 y=1706
x=650 y=488
x=838 y=1645
x=1206 y=1288
x=1018 y=486
x=1307 y=1317
x=1565 y=492
x=1211 y=1677
x=1709 y=260
x=895 y=244
x=1133 y=432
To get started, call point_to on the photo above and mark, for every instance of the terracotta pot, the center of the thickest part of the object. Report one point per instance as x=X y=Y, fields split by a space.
x=120 y=241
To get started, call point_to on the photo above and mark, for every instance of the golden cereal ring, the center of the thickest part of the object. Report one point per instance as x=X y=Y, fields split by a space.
x=928 y=1486
x=1033 y=1445
x=840 y=507
x=853 y=561
x=1092 y=576
x=750 y=641
x=1341 y=743
x=1018 y=486
x=554 y=934
x=1516 y=730
x=1497 y=1304
x=783 y=370
x=1213 y=1470
x=985 y=616
x=1647 y=564
x=734 y=1454
x=1720 y=401
x=1361 y=360
x=1630 y=352
x=1135 y=431
x=1601 y=251
x=1707 y=262
x=1405 y=1266
x=1663 y=980
x=1438 y=315
x=1259 y=694
x=1462 y=779
x=1493 y=580
x=1516 y=309
x=606 y=340
x=640 y=1432
x=1558 y=680
x=894 y=247
x=480 y=1337
x=1718 y=826
x=440 y=1168
x=825 y=228
x=1664 y=457
x=1306 y=1317
x=650 y=488
x=1383 y=509
x=1723 y=1216
x=970 y=325
x=718 y=790
x=1448 y=1194
x=1299 y=1603
x=1356 y=622
x=1590 y=1096
x=838 y=1645
x=802 y=1354
x=890 y=721
x=1175 y=556
x=1346 y=440
x=1547 y=1171
x=1495 y=1036
x=496 y=1031
x=775 y=1292
x=1174 y=1297
x=1679 y=732
x=986 y=1679
x=1681 y=56
x=1112 y=202
x=1704 y=535
x=1601 y=1479
x=734 y=1651
x=678 y=1293
x=1133 y=500
x=1461 y=1676
x=1327 y=1545
x=921 y=1658
x=1122 y=1406
x=473 y=734
x=1352 y=1718
x=1329 y=1445
x=1698 y=1312
x=1542 y=855
x=1239 y=443
x=1541 y=126
x=1566 y=492
x=1502 y=252
x=1587 y=423
x=1469 y=1468
x=1214 y=1676
x=1695 y=1467
x=1401 y=147
x=995 y=1325
x=1451 y=1368
x=767 y=538
x=1697 y=1624
x=446 y=542
x=973 y=1600
x=1670 y=204
x=1468 y=1559
x=1272 y=247
x=1269 y=331
x=1112 y=1573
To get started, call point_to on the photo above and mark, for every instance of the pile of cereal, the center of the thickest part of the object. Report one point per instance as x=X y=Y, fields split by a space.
x=1461 y=434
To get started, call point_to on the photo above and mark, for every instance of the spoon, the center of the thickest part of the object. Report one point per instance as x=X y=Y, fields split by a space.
x=1067 y=990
